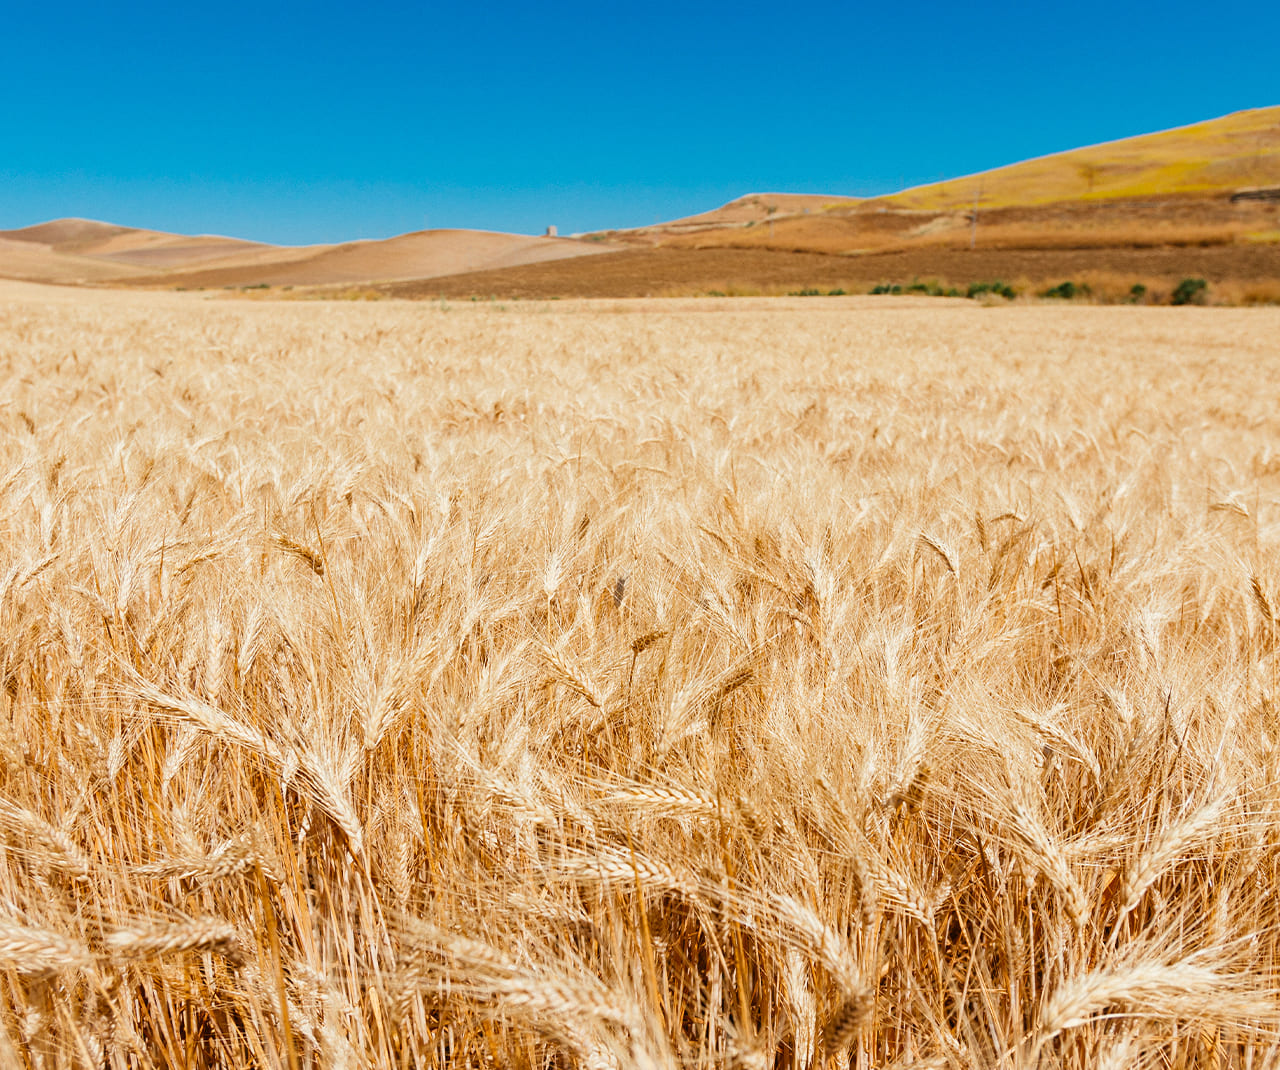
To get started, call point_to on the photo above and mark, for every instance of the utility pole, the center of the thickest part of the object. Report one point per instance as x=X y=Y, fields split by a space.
x=973 y=220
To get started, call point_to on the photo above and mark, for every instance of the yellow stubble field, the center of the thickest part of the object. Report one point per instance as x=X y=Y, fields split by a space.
x=775 y=683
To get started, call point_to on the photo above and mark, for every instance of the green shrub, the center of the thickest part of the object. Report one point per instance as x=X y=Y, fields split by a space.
x=716 y=293
x=929 y=289
x=1067 y=291
x=977 y=289
x=835 y=293
x=1137 y=293
x=808 y=291
x=1190 y=292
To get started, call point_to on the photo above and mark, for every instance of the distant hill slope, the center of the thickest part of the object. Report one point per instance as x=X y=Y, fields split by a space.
x=72 y=235
x=1217 y=156
x=756 y=208
x=89 y=252
x=420 y=255
x=36 y=262
x=1171 y=188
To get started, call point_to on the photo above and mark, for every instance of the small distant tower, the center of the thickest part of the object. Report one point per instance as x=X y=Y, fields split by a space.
x=551 y=231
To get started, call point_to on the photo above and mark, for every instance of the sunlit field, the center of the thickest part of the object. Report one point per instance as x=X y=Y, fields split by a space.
x=811 y=683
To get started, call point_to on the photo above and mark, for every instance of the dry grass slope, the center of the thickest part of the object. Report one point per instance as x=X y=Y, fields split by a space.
x=719 y=685
x=1218 y=155
x=1170 y=189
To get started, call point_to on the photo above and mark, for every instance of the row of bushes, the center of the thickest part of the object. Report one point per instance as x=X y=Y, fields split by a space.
x=933 y=289
x=1187 y=292
x=1190 y=291
x=929 y=289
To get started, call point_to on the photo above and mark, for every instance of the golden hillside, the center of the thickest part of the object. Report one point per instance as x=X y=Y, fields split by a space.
x=1221 y=155
x=1167 y=189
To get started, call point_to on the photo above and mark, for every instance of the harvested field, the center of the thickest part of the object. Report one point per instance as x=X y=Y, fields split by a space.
x=672 y=271
x=637 y=684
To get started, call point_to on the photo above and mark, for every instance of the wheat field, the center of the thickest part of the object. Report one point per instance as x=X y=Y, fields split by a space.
x=780 y=683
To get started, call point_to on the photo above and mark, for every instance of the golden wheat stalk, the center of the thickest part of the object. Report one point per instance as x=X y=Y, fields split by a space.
x=1047 y=855
x=565 y=671
x=623 y=868
x=201 y=935
x=37 y=951
x=1164 y=849
x=57 y=849
x=202 y=715
x=1155 y=990
x=663 y=799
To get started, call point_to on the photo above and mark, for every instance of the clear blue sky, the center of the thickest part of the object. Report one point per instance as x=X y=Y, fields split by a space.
x=323 y=121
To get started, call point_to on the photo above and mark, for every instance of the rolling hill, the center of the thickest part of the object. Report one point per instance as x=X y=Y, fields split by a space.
x=87 y=251
x=1167 y=189
x=1213 y=157
x=83 y=251
x=420 y=255
x=1188 y=201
